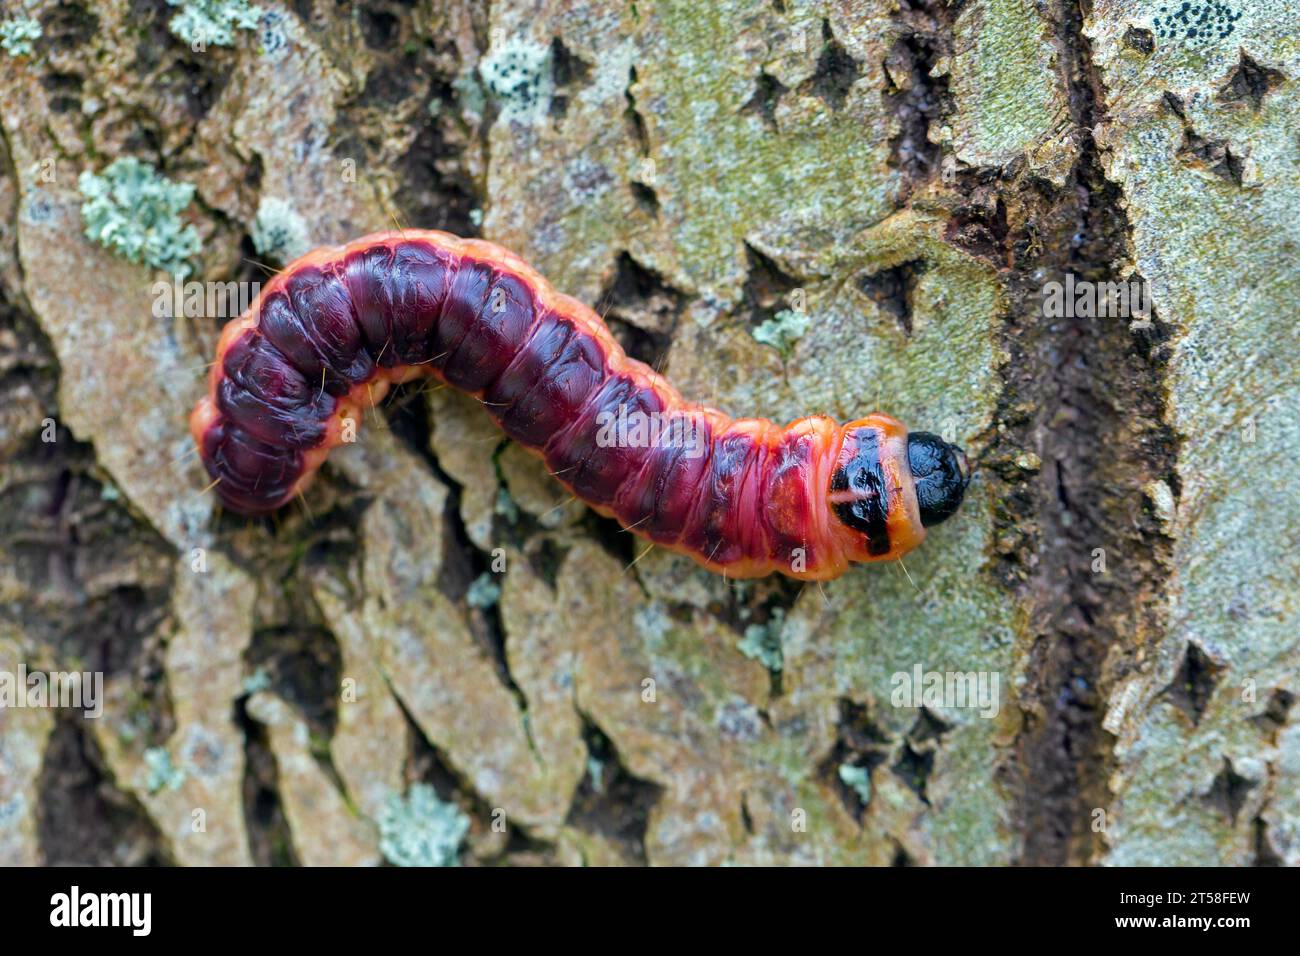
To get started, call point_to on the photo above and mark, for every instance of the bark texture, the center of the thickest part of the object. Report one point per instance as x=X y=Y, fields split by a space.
x=911 y=174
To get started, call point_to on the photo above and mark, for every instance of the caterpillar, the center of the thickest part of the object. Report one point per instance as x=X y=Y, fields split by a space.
x=744 y=497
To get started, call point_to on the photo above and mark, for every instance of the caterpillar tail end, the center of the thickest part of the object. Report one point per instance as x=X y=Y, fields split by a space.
x=245 y=478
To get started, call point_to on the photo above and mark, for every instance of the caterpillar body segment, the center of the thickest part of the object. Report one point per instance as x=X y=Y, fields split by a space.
x=331 y=334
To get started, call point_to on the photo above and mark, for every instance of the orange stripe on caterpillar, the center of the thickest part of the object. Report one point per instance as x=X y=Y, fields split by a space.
x=744 y=497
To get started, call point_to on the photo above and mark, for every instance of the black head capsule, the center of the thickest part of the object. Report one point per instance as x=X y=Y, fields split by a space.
x=940 y=472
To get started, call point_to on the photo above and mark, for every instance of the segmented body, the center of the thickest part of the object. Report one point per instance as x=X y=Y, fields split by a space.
x=329 y=335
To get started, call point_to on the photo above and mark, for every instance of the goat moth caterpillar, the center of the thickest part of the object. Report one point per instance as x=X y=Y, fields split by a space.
x=744 y=497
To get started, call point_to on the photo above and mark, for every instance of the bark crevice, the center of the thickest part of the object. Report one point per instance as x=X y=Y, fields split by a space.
x=1091 y=556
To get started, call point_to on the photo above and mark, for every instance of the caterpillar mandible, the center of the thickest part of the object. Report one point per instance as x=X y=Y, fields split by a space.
x=746 y=498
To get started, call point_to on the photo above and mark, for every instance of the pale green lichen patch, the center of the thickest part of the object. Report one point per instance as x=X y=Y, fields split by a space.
x=596 y=773
x=762 y=642
x=506 y=506
x=135 y=211
x=421 y=830
x=857 y=779
x=483 y=592
x=783 y=330
x=17 y=35
x=202 y=22
x=279 y=232
x=163 y=774
x=257 y=681
x=517 y=75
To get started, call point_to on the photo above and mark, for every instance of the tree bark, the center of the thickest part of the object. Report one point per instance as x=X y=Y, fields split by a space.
x=914 y=175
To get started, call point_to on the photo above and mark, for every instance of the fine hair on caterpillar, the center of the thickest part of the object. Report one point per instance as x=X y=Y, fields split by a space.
x=746 y=497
